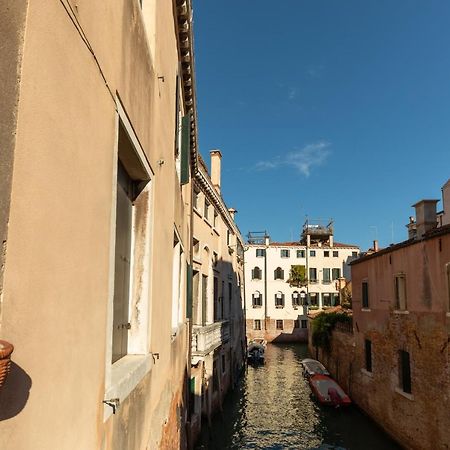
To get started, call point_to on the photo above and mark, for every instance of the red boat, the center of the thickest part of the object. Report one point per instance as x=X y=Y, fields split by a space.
x=328 y=392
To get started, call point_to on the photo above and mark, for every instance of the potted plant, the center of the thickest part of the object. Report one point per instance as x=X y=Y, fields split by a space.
x=5 y=360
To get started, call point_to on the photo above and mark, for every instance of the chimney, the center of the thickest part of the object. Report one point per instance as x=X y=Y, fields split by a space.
x=331 y=241
x=412 y=231
x=425 y=216
x=232 y=212
x=216 y=158
x=446 y=203
x=375 y=245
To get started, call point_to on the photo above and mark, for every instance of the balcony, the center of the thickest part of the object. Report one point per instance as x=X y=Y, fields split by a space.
x=206 y=339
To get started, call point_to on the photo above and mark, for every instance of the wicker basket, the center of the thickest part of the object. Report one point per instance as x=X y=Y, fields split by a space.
x=5 y=360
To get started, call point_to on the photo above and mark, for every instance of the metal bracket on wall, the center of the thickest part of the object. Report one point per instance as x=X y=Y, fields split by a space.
x=114 y=403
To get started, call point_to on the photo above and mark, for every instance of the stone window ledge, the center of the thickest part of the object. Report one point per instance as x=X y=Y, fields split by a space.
x=126 y=374
x=400 y=311
x=198 y=212
x=404 y=394
x=448 y=314
x=367 y=373
x=366 y=309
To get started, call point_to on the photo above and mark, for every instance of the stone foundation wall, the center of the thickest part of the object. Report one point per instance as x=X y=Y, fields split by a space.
x=272 y=334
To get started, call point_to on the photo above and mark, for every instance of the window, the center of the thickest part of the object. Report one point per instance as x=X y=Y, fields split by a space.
x=256 y=299
x=196 y=198
x=215 y=218
x=304 y=323
x=300 y=253
x=178 y=270
x=326 y=254
x=260 y=252
x=313 y=299
x=279 y=324
x=257 y=324
x=354 y=254
x=365 y=294
x=228 y=237
x=279 y=300
x=400 y=292
x=132 y=177
x=404 y=371
x=334 y=299
x=284 y=253
x=295 y=299
x=296 y=324
x=336 y=273
x=313 y=275
x=335 y=254
x=368 y=354
x=326 y=299
x=278 y=274
x=256 y=273
x=206 y=212
x=196 y=244
x=326 y=276
x=312 y=253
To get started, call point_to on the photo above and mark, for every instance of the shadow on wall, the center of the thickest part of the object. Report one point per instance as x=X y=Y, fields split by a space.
x=14 y=393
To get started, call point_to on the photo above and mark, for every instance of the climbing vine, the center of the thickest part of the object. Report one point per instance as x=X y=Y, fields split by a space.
x=322 y=326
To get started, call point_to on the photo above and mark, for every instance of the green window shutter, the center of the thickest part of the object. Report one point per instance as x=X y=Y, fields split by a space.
x=189 y=292
x=185 y=147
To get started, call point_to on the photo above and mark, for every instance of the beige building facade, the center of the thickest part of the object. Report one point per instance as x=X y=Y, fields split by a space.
x=98 y=125
x=276 y=307
x=218 y=336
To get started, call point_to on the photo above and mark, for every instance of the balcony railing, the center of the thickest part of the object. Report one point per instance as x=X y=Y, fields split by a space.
x=207 y=338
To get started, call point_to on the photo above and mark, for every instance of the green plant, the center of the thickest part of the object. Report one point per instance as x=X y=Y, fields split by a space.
x=322 y=326
x=297 y=276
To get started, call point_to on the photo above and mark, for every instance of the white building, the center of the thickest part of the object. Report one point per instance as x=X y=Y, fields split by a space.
x=276 y=306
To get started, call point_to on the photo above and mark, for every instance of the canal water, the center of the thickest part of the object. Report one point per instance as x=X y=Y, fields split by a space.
x=272 y=409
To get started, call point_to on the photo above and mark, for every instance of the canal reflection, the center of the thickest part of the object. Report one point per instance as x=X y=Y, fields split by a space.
x=272 y=409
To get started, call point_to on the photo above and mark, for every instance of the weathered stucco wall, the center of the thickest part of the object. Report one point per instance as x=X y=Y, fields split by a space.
x=57 y=283
x=12 y=30
x=418 y=420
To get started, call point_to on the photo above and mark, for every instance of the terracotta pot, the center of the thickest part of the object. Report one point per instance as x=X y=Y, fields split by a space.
x=5 y=360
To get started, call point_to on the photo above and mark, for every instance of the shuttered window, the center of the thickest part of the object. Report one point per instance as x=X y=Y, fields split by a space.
x=124 y=222
x=365 y=294
x=405 y=371
x=185 y=148
x=368 y=354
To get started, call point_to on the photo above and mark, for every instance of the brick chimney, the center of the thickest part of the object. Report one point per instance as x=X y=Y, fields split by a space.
x=446 y=203
x=425 y=216
x=375 y=245
x=216 y=159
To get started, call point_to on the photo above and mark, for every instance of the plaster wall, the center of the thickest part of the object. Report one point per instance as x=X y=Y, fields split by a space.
x=288 y=313
x=58 y=272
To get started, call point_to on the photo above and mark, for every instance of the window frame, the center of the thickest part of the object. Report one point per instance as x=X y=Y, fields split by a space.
x=285 y=253
x=368 y=357
x=279 y=325
x=138 y=361
x=365 y=303
x=400 y=292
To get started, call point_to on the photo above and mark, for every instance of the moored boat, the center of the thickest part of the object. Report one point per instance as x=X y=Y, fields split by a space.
x=312 y=367
x=256 y=351
x=328 y=392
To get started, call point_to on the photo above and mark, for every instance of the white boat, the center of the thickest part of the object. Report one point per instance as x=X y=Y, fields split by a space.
x=313 y=367
x=255 y=350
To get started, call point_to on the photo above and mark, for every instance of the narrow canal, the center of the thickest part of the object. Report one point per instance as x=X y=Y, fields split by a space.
x=272 y=409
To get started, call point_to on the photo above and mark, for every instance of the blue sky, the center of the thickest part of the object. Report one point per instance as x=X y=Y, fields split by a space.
x=331 y=109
